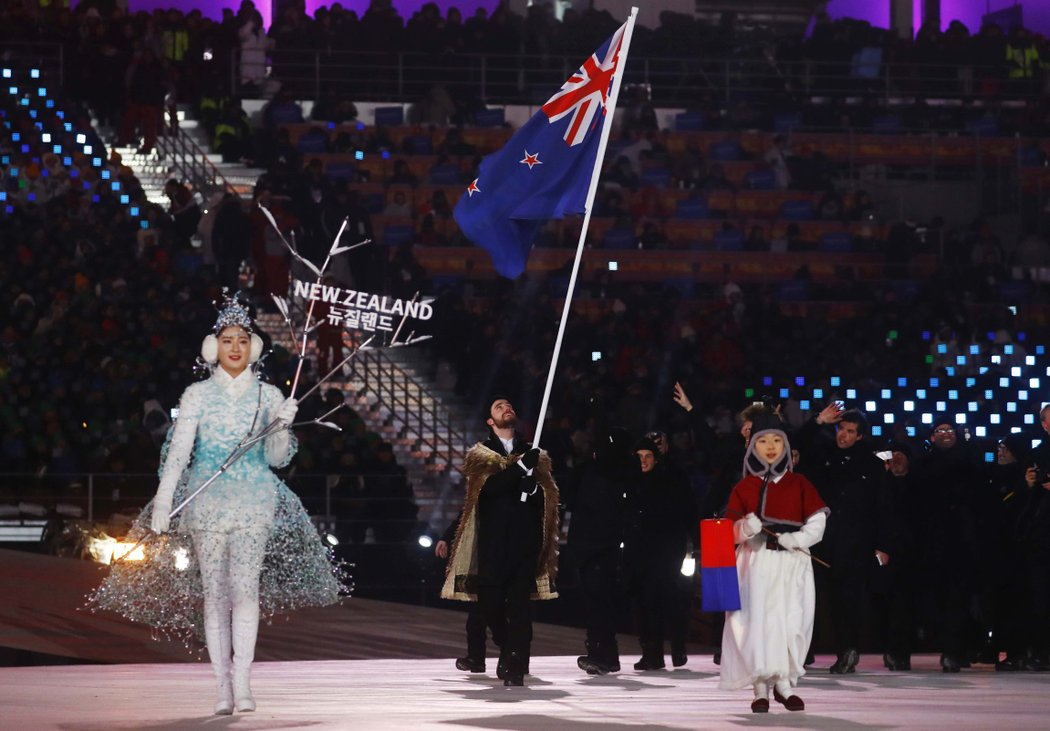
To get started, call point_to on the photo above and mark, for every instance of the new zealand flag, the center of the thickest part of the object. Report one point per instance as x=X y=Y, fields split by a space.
x=544 y=170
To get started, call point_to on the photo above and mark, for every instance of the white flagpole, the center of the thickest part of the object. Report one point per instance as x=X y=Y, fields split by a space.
x=610 y=109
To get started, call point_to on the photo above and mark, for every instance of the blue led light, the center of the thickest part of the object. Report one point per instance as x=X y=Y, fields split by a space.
x=784 y=393
x=902 y=382
x=941 y=406
x=935 y=382
x=1008 y=349
x=385 y=154
x=12 y=90
x=57 y=149
x=835 y=381
x=960 y=360
x=1022 y=395
x=3 y=195
x=359 y=155
x=68 y=126
x=34 y=73
x=851 y=393
x=125 y=199
x=971 y=406
x=767 y=380
x=942 y=348
x=95 y=198
x=143 y=224
x=804 y=404
x=1004 y=382
x=989 y=457
x=818 y=393
x=1040 y=350
x=104 y=174
x=909 y=406
x=31 y=197
x=96 y=162
x=1029 y=360
x=988 y=394
x=953 y=394
x=1011 y=406
x=888 y=417
x=134 y=210
x=949 y=370
x=870 y=406
x=1021 y=337
x=50 y=104
x=115 y=185
x=67 y=160
x=74 y=173
x=800 y=380
x=1029 y=418
x=876 y=431
x=925 y=334
x=990 y=335
x=7 y=73
x=41 y=91
x=975 y=349
x=885 y=393
x=910 y=430
x=16 y=136
x=971 y=382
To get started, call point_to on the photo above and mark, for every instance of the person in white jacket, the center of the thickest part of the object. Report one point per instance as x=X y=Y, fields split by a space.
x=244 y=531
x=779 y=515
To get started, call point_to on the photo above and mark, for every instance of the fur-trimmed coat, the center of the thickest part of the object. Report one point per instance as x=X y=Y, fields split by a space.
x=486 y=468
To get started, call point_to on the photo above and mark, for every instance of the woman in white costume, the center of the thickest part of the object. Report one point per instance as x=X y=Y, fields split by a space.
x=243 y=546
x=779 y=515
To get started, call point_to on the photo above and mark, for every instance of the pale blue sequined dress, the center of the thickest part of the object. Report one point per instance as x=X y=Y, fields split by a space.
x=165 y=590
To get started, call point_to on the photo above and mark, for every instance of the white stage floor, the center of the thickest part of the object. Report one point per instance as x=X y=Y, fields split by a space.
x=430 y=694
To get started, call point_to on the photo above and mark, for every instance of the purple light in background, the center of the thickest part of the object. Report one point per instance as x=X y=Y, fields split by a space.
x=213 y=8
x=970 y=12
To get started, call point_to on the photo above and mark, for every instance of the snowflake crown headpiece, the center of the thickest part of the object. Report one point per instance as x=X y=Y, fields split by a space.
x=232 y=313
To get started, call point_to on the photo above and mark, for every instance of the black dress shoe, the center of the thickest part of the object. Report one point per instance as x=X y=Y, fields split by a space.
x=678 y=659
x=949 y=664
x=792 y=702
x=470 y=665
x=895 y=663
x=717 y=657
x=760 y=705
x=846 y=663
x=649 y=664
x=514 y=680
x=589 y=665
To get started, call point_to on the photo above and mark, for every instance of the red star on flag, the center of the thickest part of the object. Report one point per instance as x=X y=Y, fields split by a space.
x=473 y=188
x=531 y=160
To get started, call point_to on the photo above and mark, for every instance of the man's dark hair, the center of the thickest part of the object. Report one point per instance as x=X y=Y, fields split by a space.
x=853 y=416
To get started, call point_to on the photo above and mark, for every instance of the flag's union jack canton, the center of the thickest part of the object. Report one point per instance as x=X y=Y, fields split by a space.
x=544 y=170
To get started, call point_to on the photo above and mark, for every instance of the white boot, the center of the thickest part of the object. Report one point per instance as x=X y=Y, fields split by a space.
x=217 y=635
x=245 y=629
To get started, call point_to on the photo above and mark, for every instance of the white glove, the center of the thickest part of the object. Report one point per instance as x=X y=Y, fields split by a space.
x=159 y=521
x=286 y=412
x=788 y=540
x=752 y=525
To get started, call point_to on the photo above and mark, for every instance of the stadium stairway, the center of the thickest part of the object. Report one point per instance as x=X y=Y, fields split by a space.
x=154 y=168
x=393 y=391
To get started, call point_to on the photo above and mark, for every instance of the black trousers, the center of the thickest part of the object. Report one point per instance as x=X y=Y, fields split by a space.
x=846 y=591
x=504 y=602
x=601 y=598
x=661 y=610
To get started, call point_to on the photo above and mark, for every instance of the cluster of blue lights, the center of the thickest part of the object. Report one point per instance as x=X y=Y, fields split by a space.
x=998 y=395
x=29 y=98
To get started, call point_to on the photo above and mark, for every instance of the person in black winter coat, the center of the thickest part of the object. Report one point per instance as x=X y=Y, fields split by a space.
x=1033 y=534
x=662 y=522
x=895 y=587
x=1003 y=567
x=951 y=481
x=231 y=236
x=598 y=506
x=852 y=482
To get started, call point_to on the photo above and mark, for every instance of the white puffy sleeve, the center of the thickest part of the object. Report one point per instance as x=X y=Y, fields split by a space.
x=282 y=445
x=180 y=447
x=812 y=530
